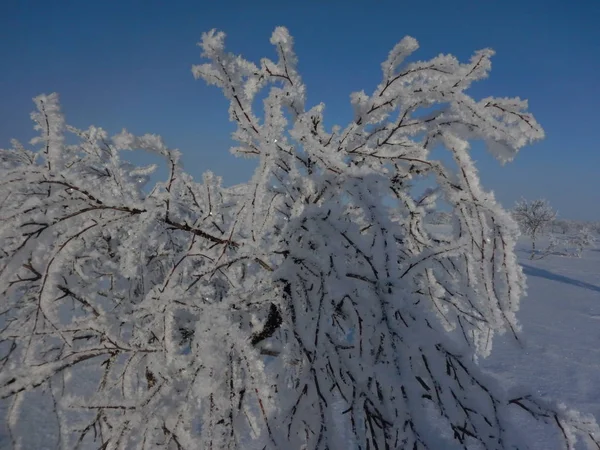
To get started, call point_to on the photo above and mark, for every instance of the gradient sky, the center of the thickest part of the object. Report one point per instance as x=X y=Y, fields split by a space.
x=127 y=64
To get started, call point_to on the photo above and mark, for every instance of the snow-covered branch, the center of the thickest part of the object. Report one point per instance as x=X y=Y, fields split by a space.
x=308 y=308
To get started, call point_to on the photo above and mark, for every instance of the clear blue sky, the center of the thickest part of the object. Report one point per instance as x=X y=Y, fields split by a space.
x=127 y=64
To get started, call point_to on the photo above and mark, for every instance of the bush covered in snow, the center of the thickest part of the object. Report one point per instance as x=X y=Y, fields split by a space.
x=573 y=244
x=287 y=312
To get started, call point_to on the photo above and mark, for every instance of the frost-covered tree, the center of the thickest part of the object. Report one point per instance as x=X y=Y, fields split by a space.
x=439 y=218
x=302 y=309
x=534 y=218
x=573 y=244
x=562 y=226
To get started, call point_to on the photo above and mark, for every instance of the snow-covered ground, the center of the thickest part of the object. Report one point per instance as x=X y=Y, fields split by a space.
x=560 y=320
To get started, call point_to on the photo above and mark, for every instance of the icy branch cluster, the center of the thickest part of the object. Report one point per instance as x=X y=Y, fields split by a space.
x=298 y=310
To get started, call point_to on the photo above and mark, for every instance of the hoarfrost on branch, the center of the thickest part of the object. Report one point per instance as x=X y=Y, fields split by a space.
x=297 y=310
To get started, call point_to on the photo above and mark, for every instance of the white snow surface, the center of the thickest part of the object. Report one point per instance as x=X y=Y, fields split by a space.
x=560 y=320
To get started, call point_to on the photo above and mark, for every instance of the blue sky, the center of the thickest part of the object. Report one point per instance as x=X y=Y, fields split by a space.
x=127 y=64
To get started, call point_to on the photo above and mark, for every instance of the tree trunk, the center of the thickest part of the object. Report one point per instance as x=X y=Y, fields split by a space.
x=532 y=249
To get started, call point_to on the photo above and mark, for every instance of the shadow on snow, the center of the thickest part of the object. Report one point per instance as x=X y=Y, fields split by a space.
x=542 y=273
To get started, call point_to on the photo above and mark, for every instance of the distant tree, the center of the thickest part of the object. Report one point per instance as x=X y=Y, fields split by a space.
x=534 y=219
x=440 y=218
x=572 y=244
x=286 y=312
x=582 y=240
x=561 y=226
